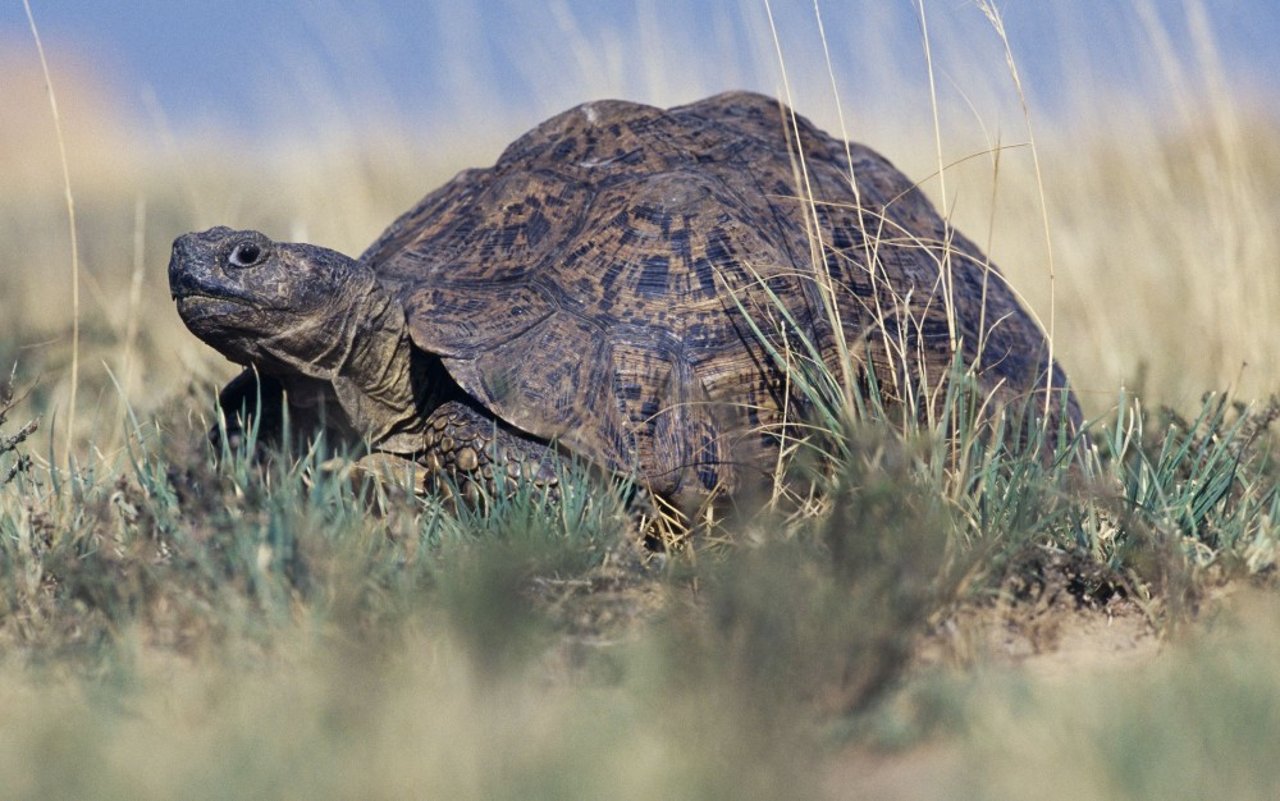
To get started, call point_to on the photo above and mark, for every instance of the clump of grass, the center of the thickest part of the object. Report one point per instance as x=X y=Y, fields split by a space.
x=1160 y=504
x=1207 y=486
x=198 y=545
x=19 y=462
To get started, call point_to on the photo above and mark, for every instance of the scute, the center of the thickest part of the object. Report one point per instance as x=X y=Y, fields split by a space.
x=617 y=280
x=469 y=319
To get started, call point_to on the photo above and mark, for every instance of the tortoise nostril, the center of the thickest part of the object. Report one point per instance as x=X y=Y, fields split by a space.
x=245 y=254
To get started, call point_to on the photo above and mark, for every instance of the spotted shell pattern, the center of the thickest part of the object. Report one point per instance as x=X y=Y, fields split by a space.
x=625 y=277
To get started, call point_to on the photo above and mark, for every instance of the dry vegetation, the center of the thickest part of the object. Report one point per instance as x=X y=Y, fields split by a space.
x=178 y=623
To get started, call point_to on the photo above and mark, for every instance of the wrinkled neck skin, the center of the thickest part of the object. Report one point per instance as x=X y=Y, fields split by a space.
x=362 y=351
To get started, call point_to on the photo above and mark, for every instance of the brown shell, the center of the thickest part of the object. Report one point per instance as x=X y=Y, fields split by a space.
x=608 y=283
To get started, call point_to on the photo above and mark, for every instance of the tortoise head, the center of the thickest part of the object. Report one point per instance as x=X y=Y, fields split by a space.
x=258 y=301
x=312 y=316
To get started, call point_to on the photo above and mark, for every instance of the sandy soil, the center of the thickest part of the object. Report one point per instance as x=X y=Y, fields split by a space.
x=1050 y=642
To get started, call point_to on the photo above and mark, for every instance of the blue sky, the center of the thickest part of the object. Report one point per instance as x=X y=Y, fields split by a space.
x=253 y=66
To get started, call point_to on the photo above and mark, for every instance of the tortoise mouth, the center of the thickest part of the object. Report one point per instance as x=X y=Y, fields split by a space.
x=196 y=306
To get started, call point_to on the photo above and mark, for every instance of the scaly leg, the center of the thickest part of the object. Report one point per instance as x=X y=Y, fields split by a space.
x=471 y=451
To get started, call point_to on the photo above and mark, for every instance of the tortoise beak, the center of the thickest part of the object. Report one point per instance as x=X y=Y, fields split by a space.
x=190 y=268
x=181 y=281
x=194 y=268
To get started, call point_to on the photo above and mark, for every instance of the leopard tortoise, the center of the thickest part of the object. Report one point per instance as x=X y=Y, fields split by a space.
x=645 y=289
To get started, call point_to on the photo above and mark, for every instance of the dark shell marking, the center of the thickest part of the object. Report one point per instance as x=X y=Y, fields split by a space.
x=596 y=286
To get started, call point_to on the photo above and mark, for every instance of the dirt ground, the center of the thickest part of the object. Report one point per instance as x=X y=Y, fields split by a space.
x=1041 y=643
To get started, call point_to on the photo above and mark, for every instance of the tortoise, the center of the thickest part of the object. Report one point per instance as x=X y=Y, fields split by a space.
x=642 y=288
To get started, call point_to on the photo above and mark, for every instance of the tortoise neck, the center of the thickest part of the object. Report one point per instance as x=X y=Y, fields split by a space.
x=380 y=382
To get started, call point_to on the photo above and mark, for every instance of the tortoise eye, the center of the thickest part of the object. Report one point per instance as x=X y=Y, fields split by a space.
x=245 y=254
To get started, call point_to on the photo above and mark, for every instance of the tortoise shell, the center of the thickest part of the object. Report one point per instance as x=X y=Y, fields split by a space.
x=629 y=282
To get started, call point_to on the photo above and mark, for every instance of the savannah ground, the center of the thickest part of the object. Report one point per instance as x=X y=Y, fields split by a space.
x=936 y=620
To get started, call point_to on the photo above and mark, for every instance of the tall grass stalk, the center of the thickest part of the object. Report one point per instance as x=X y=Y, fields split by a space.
x=826 y=283
x=75 y=243
x=944 y=267
x=992 y=13
x=870 y=244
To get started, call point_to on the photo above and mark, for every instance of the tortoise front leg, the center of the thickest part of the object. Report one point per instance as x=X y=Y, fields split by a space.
x=469 y=450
